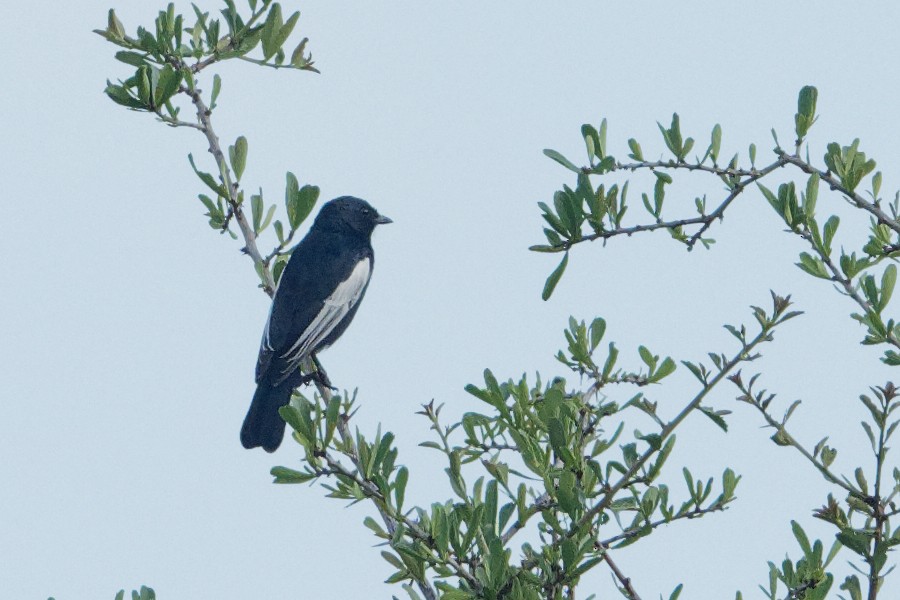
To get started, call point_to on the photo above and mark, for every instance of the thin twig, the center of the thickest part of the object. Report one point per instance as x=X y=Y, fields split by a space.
x=691 y=514
x=625 y=581
x=279 y=249
x=671 y=164
x=609 y=494
x=789 y=439
x=250 y=248
x=173 y=122
x=263 y=63
x=705 y=221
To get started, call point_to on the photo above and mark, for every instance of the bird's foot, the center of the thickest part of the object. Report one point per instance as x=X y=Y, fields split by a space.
x=320 y=375
x=321 y=378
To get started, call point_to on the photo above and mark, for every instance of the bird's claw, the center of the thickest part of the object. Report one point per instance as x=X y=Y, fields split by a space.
x=319 y=378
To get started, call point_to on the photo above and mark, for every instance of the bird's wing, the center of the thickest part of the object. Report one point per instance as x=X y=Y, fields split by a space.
x=333 y=310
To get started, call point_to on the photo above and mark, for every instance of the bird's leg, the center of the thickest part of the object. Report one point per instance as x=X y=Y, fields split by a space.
x=320 y=375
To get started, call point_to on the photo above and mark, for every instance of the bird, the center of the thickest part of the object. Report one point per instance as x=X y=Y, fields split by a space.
x=315 y=300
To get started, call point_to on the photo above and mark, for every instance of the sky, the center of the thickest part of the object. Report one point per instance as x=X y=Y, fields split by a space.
x=130 y=329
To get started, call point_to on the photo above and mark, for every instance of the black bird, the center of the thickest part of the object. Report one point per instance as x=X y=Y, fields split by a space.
x=318 y=295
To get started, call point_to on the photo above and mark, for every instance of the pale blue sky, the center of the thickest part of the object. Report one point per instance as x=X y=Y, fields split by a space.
x=130 y=329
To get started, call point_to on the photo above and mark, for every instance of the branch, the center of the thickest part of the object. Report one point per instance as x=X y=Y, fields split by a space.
x=667 y=430
x=852 y=197
x=232 y=42
x=390 y=518
x=371 y=491
x=849 y=289
x=279 y=249
x=671 y=164
x=745 y=353
x=705 y=221
x=263 y=63
x=691 y=514
x=789 y=439
x=250 y=248
x=173 y=122
x=627 y=588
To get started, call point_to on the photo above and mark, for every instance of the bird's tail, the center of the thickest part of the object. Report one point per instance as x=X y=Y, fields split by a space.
x=263 y=426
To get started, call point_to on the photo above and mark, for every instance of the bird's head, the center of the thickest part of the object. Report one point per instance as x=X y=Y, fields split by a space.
x=348 y=214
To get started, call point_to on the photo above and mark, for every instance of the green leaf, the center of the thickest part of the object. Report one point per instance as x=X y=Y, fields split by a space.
x=217 y=87
x=256 y=208
x=285 y=31
x=144 y=87
x=831 y=226
x=806 y=111
x=393 y=560
x=304 y=201
x=715 y=416
x=592 y=142
x=166 y=85
x=568 y=499
x=298 y=58
x=854 y=540
x=610 y=361
x=636 y=152
x=602 y=137
x=672 y=137
x=332 y=413
x=647 y=357
x=377 y=529
x=598 y=328
x=557 y=436
x=291 y=189
x=561 y=160
x=269 y=214
x=135 y=59
x=665 y=369
x=715 y=143
x=208 y=179
x=554 y=278
x=861 y=480
x=270 y=31
x=238 y=156
x=888 y=280
x=813 y=265
x=812 y=193
x=114 y=26
x=286 y=475
x=119 y=94
x=802 y=539
x=772 y=198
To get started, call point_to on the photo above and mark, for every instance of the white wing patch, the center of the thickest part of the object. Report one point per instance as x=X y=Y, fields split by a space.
x=335 y=308
x=266 y=341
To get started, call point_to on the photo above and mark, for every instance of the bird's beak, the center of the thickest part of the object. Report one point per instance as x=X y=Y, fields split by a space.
x=382 y=220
